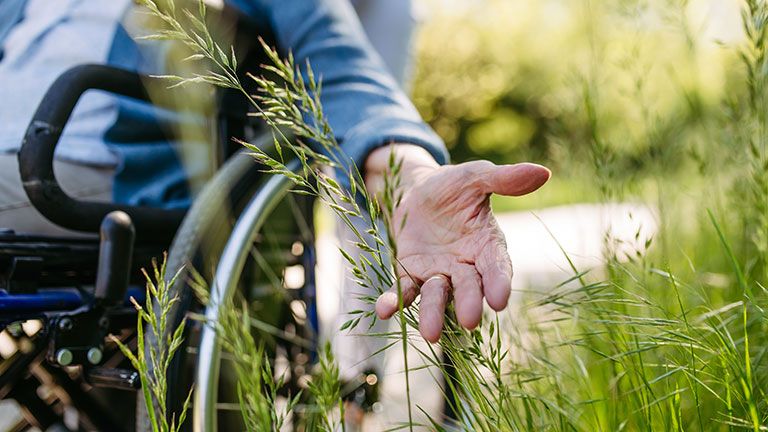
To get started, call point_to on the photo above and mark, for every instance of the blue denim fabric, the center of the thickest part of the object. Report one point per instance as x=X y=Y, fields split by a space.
x=11 y=12
x=150 y=172
x=363 y=104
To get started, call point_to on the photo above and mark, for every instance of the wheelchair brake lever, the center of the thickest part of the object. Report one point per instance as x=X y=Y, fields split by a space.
x=115 y=252
x=77 y=337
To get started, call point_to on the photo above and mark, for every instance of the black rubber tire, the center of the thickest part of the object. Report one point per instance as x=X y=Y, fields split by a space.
x=200 y=240
x=202 y=233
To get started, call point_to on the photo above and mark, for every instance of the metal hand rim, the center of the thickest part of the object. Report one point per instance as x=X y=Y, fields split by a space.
x=225 y=282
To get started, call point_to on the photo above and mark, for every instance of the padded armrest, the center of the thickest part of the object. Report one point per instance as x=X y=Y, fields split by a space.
x=153 y=225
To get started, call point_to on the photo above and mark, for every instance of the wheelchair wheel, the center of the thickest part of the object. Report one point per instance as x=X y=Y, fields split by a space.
x=244 y=234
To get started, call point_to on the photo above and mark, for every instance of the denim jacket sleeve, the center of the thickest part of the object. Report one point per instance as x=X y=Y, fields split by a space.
x=363 y=103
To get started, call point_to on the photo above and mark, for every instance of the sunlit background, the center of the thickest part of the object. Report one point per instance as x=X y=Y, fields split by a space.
x=644 y=112
x=536 y=80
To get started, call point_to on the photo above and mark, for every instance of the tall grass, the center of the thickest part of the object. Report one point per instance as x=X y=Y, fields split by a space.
x=286 y=104
x=156 y=350
x=755 y=121
x=652 y=344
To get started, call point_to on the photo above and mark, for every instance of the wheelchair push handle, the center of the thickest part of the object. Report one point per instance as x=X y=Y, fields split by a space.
x=153 y=225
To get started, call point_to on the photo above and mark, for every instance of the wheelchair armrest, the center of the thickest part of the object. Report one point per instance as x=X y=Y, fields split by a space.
x=153 y=225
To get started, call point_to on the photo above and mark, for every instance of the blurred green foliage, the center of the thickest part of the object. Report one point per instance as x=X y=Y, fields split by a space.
x=625 y=87
x=659 y=101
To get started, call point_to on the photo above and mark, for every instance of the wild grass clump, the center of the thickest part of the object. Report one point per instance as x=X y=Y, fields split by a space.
x=156 y=350
x=257 y=384
x=667 y=338
x=753 y=133
x=292 y=103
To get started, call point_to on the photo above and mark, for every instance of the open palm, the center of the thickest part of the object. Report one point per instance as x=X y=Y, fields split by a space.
x=450 y=243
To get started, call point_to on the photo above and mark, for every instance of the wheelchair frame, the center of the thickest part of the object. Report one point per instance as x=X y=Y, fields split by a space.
x=71 y=315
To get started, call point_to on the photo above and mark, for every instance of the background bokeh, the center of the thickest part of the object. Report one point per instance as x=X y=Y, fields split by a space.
x=615 y=91
x=654 y=106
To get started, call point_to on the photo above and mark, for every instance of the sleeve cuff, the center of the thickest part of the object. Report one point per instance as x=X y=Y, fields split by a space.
x=367 y=136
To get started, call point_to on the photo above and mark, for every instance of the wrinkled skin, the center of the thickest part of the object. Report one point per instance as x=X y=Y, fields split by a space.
x=450 y=242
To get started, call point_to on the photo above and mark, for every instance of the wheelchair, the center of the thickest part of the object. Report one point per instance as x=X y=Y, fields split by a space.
x=60 y=297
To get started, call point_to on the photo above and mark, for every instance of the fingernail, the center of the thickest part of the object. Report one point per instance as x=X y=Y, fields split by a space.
x=386 y=305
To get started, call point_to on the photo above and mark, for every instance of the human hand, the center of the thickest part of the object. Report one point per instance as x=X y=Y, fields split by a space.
x=450 y=242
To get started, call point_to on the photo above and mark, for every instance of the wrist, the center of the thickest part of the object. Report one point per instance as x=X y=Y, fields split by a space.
x=415 y=163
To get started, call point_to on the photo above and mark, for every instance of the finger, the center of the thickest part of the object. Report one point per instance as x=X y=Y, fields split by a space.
x=434 y=296
x=387 y=303
x=516 y=180
x=495 y=268
x=468 y=292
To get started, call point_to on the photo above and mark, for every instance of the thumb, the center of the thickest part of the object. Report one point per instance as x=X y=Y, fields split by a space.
x=517 y=179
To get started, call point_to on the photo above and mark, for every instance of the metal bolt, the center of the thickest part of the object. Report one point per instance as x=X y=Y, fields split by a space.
x=104 y=323
x=94 y=356
x=133 y=379
x=65 y=324
x=371 y=379
x=64 y=357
